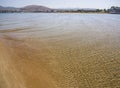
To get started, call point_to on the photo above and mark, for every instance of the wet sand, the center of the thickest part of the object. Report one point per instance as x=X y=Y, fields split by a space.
x=85 y=55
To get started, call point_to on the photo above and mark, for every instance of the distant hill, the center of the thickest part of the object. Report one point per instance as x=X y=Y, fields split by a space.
x=29 y=8
x=1 y=6
x=8 y=8
x=39 y=8
x=35 y=8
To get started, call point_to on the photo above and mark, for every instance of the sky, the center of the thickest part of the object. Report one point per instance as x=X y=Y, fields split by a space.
x=63 y=3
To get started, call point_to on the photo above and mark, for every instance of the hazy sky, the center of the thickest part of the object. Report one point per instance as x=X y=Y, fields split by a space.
x=63 y=3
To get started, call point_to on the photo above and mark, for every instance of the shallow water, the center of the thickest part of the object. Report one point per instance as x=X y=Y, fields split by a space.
x=68 y=50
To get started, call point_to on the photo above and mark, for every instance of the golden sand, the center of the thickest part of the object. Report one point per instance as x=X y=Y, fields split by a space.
x=61 y=63
x=23 y=67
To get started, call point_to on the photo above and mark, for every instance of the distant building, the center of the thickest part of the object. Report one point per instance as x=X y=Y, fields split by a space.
x=114 y=10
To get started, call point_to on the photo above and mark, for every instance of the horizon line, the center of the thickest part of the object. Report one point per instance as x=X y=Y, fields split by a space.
x=57 y=8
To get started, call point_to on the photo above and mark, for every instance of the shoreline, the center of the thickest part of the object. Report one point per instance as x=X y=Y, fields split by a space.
x=59 y=12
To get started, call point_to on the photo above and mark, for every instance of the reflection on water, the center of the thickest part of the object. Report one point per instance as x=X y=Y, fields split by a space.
x=53 y=24
x=65 y=50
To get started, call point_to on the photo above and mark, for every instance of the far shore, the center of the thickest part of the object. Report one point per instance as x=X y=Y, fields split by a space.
x=61 y=12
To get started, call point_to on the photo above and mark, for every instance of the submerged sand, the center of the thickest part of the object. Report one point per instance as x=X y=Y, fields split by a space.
x=36 y=63
x=51 y=54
